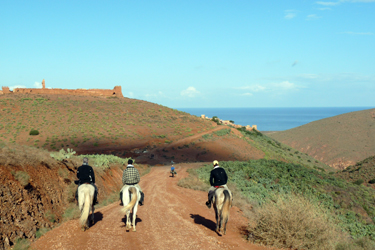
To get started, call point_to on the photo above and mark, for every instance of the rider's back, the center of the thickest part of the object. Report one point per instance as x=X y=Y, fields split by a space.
x=85 y=174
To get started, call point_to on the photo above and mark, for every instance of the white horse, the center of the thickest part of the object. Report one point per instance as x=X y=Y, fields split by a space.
x=130 y=199
x=85 y=201
x=222 y=201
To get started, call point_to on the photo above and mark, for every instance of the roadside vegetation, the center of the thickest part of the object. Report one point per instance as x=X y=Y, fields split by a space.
x=298 y=207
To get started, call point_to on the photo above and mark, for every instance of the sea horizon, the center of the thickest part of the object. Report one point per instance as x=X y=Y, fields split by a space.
x=272 y=118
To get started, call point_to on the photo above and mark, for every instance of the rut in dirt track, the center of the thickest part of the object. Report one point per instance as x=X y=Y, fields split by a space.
x=172 y=218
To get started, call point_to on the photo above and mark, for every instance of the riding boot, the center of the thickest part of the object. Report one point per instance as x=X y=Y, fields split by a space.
x=142 y=199
x=95 y=198
x=208 y=204
x=121 y=204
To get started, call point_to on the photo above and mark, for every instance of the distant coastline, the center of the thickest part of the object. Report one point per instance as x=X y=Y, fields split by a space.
x=272 y=119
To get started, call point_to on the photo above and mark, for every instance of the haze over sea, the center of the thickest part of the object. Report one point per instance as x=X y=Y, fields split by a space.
x=272 y=119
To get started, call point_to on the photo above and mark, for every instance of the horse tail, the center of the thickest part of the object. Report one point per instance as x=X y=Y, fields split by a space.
x=86 y=206
x=226 y=207
x=134 y=199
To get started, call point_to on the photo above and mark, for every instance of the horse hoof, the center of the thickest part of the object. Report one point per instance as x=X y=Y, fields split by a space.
x=134 y=230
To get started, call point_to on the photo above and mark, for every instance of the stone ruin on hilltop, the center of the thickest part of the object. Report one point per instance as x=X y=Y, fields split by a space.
x=116 y=91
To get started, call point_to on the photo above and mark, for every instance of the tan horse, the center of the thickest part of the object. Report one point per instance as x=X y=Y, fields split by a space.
x=222 y=201
x=130 y=204
x=85 y=201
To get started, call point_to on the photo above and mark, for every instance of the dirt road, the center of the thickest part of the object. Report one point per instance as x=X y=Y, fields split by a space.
x=172 y=218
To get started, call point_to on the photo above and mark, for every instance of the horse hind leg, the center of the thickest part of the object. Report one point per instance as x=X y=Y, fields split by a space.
x=217 y=220
x=128 y=225
x=225 y=227
x=134 y=218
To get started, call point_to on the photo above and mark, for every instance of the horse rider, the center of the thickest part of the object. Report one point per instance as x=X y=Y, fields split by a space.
x=85 y=175
x=218 y=178
x=172 y=170
x=131 y=177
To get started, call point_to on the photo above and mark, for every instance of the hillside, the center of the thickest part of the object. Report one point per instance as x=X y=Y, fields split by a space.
x=119 y=126
x=338 y=141
x=35 y=185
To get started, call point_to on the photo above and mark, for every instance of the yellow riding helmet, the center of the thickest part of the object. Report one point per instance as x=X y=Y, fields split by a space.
x=215 y=162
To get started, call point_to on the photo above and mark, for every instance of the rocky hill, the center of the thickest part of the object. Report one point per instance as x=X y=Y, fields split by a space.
x=338 y=141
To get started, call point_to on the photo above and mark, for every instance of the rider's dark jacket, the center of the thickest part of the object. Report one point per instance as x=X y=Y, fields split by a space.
x=218 y=177
x=85 y=174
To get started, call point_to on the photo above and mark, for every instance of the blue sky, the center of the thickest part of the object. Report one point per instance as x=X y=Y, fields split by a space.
x=196 y=53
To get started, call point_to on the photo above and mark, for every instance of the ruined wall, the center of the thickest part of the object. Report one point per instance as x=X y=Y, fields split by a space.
x=5 y=90
x=116 y=91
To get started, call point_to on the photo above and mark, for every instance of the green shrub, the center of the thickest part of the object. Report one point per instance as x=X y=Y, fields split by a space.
x=372 y=181
x=50 y=216
x=216 y=119
x=62 y=155
x=34 y=132
x=222 y=132
x=21 y=244
x=104 y=161
x=358 y=182
x=41 y=231
x=207 y=136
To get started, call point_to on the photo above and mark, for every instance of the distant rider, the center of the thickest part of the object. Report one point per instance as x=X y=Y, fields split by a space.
x=172 y=170
x=85 y=174
x=218 y=178
x=131 y=177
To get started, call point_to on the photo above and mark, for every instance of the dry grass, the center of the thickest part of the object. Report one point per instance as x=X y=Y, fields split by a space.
x=18 y=155
x=242 y=202
x=72 y=212
x=193 y=182
x=293 y=222
x=359 y=244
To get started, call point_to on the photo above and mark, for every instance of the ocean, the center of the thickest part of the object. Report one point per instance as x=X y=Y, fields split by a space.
x=272 y=119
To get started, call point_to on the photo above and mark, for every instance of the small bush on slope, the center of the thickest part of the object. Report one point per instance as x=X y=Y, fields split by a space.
x=292 y=222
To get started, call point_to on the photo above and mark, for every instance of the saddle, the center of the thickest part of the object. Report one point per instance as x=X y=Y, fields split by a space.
x=217 y=187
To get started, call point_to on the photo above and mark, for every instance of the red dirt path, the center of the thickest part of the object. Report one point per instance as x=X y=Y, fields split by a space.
x=172 y=218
